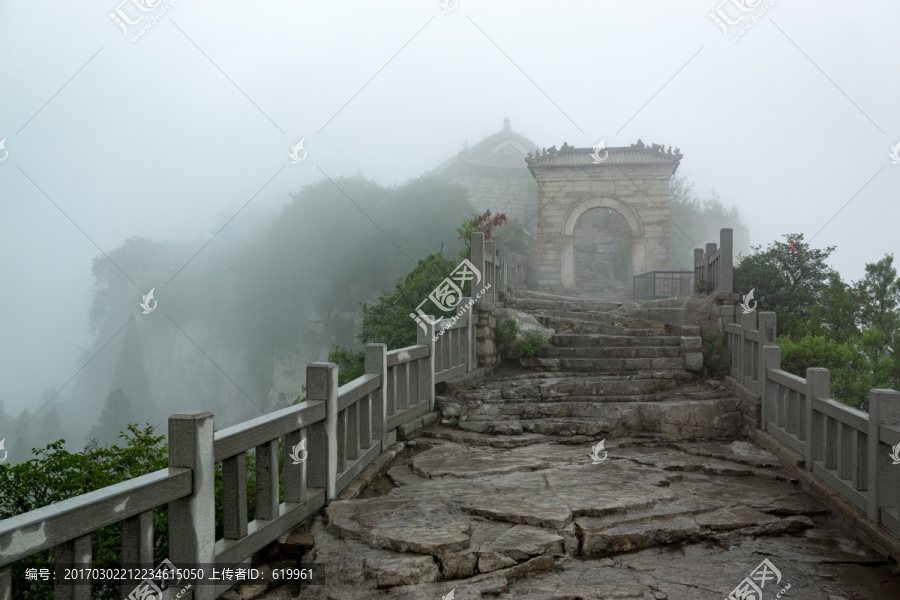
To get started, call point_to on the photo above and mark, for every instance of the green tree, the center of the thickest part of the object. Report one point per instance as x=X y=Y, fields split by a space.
x=879 y=296
x=852 y=372
x=117 y=414
x=836 y=313
x=350 y=364
x=787 y=280
x=51 y=426
x=388 y=321
x=129 y=376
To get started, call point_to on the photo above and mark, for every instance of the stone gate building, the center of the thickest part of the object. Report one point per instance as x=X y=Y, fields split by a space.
x=632 y=181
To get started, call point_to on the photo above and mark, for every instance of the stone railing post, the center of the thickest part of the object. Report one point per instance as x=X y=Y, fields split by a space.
x=471 y=356
x=772 y=358
x=490 y=249
x=711 y=270
x=767 y=337
x=6 y=582
x=883 y=478
x=476 y=257
x=726 y=260
x=322 y=385
x=192 y=519
x=748 y=323
x=818 y=385
x=376 y=364
x=699 y=268
x=426 y=365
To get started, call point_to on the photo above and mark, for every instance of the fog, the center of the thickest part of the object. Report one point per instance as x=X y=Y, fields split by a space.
x=187 y=132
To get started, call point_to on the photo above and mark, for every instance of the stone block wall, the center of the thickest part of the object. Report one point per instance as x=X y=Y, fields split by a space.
x=510 y=191
x=486 y=347
x=640 y=193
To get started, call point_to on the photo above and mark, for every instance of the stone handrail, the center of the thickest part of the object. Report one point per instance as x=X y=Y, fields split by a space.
x=714 y=265
x=505 y=271
x=343 y=429
x=846 y=449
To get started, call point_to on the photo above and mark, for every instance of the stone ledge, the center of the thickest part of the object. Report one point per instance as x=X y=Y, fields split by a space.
x=376 y=467
x=876 y=535
x=409 y=430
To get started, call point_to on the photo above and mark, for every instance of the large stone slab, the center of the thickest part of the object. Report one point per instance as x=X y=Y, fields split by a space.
x=468 y=463
x=395 y=523
x=397 y=570
x=524 y=541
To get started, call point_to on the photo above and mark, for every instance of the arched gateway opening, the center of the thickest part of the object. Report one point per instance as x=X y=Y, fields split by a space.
x=602 y=241
x=630 y=187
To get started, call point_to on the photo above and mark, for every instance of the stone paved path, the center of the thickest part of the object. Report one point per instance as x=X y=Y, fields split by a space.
x=655 y=521
x=508 y=504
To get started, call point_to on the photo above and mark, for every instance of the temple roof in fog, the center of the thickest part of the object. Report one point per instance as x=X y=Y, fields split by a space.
x=636 y=154
x=505 y=149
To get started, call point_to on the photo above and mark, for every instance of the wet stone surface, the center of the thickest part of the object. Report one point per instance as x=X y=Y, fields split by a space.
x=657 y=520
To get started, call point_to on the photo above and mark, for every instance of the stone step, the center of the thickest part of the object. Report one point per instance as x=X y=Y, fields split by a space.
x=549 y=388
x=583 y=327
x=674 y=419
x=539 y=304
x=612 y=352
x=607 y=318
x=456 y=405
x=600 y=339
x=593 y=365
x=578 y=407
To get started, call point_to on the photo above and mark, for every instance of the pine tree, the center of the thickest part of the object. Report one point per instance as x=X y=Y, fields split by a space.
x=116 y=416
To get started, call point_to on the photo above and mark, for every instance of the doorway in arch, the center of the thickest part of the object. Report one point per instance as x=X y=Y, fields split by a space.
x=603 y=254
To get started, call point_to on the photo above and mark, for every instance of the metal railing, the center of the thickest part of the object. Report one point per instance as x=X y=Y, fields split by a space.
x=656 y=285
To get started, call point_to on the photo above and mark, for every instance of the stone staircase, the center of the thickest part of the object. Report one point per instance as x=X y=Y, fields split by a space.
x=606 y=372
x=502 y=499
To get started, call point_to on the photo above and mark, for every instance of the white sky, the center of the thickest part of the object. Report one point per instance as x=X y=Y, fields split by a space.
x=162 y=137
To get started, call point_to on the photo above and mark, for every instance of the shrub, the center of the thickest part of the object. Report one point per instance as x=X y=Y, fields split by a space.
x=716 y=356
x=532 y=345
x=852 y=373
x=350 y=364
x=702 y=286
x=507 y=333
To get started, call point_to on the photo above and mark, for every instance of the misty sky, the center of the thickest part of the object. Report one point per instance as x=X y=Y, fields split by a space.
x=168 y=137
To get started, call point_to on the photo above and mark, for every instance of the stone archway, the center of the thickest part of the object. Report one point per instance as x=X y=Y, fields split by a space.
x=567 y=267
x=633 y=181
